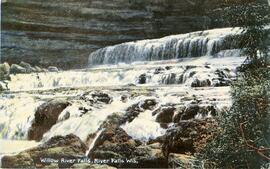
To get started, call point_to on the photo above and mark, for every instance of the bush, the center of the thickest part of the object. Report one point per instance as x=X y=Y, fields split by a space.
x=245 y=139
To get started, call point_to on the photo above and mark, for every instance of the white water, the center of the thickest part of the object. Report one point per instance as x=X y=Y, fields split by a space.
x=16 y=115
x=87 y=124
x=144 y=127
x=93 y=142
x=193 y=44
x=168 y=76
x=127 y=74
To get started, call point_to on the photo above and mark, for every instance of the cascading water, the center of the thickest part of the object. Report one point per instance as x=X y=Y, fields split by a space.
x=167 y=70
x=172 y=47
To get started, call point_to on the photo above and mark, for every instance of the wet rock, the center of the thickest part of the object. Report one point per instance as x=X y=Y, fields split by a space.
x=183 y=161
x=4 y=71
x=96 y=97
x=3 y=85
x=38 y=69
x=15 y=69
x=46 y=116
x=148 y=157
x=164 y=114
x=28 y=67
x=159 y=70
x=115 y=143
x=142 y=79
x=201 y=83
x=168 y=67
x=124 y=98
x=101 y=97
x=133 y=111
x=148 y=104
x=52 y=69
x=189 y=136
x=68 y=147
x=190 y=112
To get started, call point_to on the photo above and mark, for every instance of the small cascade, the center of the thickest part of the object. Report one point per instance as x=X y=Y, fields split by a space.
x=86 y=124
x=171 y=47
x=93 y=142
x=146 y=73
x=144 y=127
x=16 y=115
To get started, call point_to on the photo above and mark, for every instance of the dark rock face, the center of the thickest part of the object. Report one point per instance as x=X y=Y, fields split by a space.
x=15 y=69
x=183 y=161
x=165 y=114
x=142 y=79
x=97 y=97
x=45 y=117
x=189 y=136
x=68 y=147
x=115 y=143
x=64 y=33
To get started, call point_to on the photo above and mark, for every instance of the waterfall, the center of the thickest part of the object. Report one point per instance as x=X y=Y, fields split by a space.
x=154 y=73
x=171 y=47
x=177 y=71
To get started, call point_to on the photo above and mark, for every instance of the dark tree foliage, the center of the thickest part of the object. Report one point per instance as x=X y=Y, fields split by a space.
x=253 y=18
x=245 y=138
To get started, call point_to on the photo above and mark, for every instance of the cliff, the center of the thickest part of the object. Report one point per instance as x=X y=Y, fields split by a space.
x=64 y=33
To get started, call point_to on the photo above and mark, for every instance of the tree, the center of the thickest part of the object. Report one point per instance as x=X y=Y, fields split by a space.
x=245 y=138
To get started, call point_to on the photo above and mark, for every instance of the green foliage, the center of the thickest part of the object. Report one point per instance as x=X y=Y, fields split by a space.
x=245 y=138
x=253 y=19
x=246 y=126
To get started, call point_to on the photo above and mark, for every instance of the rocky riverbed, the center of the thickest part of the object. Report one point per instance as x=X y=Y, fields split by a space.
x=148 y=104
x=157 y=122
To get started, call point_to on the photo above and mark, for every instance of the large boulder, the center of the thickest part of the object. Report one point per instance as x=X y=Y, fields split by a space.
x=94 y=97
x=118 y=149
x=28 y=67
x=4 y=71
x=52 y=69
x=46 y=116
x=15 y=69
x=189 y=136
x=165 y=114
x=193 y=109
x=60 y=147
x=183 y=161
x=201 y=83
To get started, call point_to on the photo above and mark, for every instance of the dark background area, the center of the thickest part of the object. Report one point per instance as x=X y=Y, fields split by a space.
x=64 y=32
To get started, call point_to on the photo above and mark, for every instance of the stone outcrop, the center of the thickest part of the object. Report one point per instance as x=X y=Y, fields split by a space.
x=189 y=136
x=115 y=143
x=4 y=71
x=68 y=147
x=183 y=161
x=46 y=116
x=62 y=33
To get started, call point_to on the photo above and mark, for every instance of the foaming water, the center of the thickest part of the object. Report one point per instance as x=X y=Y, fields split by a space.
x=193 y=44
x=87 y=124
x=16 y=115
x=156 y=73
x=144 y=127
x=167 y=70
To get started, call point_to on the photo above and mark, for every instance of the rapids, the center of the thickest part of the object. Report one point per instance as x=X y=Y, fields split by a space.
x=167 y=70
